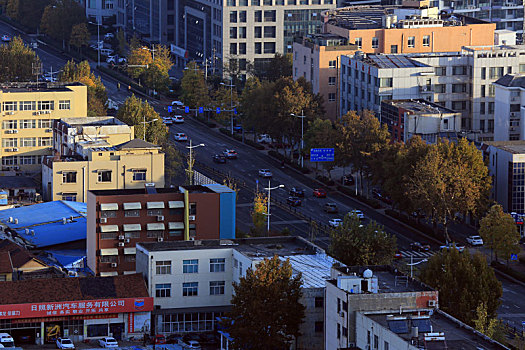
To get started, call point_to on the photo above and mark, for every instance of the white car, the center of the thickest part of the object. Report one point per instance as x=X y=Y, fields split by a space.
x=177 y=104
x=452 y=245
x=358 y=213
x=180 y=137
x=190 y=344
x=266 y=173
x=116 y=60
x=264 y=138
x=178 y=119
x=65 y=343
x=6 y=38
x=475 y=240
x=335 y=222
x=109 y=36
x=108 y=342
x=167 y=120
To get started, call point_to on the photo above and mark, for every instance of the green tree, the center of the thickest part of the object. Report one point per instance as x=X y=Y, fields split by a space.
x=464 y=281
x=13 y=9
x=17 y=61
x=321 y=133
x=194 y=88
x=172 y=161
x=452 y=178
x=79 y=35
x=499 y=233
x=59 y=18
x=279 y=66
x=122 y=43
x=260 y=207
x=256 y=105
x=266 y=310
x=355 y=244
x=96 y=91
x=27 y=12
x=491 y=327
x=154 y=67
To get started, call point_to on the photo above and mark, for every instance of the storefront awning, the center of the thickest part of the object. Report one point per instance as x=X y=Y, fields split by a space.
x=175 y=204
x=155 y=205
x=108 y=206
x=132 y=227
x=176 y=226
x=155 y=226
x=132 y=206
x=108 y=228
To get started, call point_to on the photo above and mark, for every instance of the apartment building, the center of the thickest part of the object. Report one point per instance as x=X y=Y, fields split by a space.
x=459 y=81
x=379 y=308
x=509 y=122
x=316 y=57
x=106 y=12
x=430 y=121
x=191 y=282
x=118 y=219
x=28 y=110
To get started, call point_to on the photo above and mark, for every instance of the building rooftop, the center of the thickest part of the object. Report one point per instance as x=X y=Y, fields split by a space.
x=514 y=147
x=512 y=80
x=46 y=224
x=72 y=289
x=17 y=254
x=457 y=335
x=34 y=86
x=136 y=144
x=420 y=106
x=389 y=61
x=211 y=188
x=5 y=262
x=12 y=182
x=92 y=121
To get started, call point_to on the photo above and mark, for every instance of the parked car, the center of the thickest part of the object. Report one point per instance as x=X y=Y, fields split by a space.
x=230 y=154
x=179 y=119
x=173 y=338
x=108 y=342
x=6 y=38
x=64 y=343
x=320 y=193
x=190 y=342
x=219 y=158
x=167 y=120
x=266 y=173
x=180 y=137
x=420 y=247
x=451 y=246
x=347 y=180
x=379 y=195
x=264 y=138
x=109 y=36
x=330 y=208
x=116 y=60
x=159 y=339
x=294 y=201
x=357 y=213
x=475 y=240
x=335 y=222
x=297 y=192
x=398 y=255
x=177 y=104
x=418 y=214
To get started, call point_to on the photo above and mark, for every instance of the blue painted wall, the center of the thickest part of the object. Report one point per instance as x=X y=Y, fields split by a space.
x=227 y=215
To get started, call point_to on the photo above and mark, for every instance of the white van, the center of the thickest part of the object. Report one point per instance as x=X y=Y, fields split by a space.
x=6 y=340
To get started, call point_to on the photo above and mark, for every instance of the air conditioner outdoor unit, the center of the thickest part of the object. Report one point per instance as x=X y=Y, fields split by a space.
x=14 y=131
x=121 y=237
x=121 y=244
x=191 y=217
x=126 y=240
x=14 y=149
x=341 y=313
x=113 y=264
x=432 y=303
x=47 y=112
x=9 y=113
x=49 y=130
x=160 y=239
x=160 y=217
x=103 y=220
x=16 y=168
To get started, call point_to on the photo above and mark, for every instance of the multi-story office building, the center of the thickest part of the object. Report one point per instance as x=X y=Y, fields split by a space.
x=191 y=282
x=459 y=81
x=509 y=115
x=430 y=121
x=107 y=12
x=317 y=59
x=118 y=219
x=28 y=111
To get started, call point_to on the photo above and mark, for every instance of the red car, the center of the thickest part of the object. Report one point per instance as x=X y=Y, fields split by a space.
x=398 y=255
x=320 y=193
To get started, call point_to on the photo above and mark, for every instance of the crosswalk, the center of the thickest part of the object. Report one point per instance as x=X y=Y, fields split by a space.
x=415 y=254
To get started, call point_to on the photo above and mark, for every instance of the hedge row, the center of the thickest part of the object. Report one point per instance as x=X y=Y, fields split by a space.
x=349 y=192
x=288 y=161
x=413 y=223
x=325 y=180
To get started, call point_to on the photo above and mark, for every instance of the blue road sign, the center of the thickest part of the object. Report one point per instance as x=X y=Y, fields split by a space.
x=201 y=109
x=514 y=257
x=186 y=109
x=170 y=109
x=322 y=155
x=235 y=111
x=218 y=110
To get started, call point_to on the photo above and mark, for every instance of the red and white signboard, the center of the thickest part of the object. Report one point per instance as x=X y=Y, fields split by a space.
x=68 y=308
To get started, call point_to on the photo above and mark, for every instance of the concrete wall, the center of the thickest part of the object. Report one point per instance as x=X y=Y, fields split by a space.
x=309 y=338
x=91 y=232
x=364 y=325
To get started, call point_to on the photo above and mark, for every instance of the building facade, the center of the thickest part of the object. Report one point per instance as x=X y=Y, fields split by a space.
x=28 y=111
x=509 y=115
x=118 y=219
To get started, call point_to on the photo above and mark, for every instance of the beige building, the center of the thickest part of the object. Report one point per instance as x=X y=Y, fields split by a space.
x=27 y=111
x=98 y=154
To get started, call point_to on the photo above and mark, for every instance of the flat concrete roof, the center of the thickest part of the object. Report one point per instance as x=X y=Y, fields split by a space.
x=34 y=87
x=514 y=147
x=214 y=188
x=420 y=106
x=92 y=121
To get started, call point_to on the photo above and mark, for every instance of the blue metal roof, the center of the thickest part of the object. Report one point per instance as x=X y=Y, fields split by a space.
x=45 y=222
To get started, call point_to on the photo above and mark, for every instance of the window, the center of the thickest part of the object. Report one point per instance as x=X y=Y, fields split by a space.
x=139 y=175
x=385 y=82
x=132 y=234
x=459 y=87
x=45 y=123
x=258 y=48
x=522 y=68
x=155 y=212
x=193 y=209
x=269 y=47
x=345 y=332
x=190 y=289
x=9 y=106
x=163 y=267
x=242 y=32
x=393 y=48
x=217 y=265
x=270 y=16
x=331 y=97
x=69 y=177
x=482 y=108
x=331 y=80
x=338 y=331
x=9 y=160
x=267 y=2
x=441 y=71
x=9 y=124
x=233 y=47
x=256 y=2
x=131 y=213
x=482 y=90
x=359 y=42
x=242 y=49
x=104 y=176
x=69 y=197
x=492 y=90
x=440 y=88
x=233 y=33
x=46 y=105
x=217 y=287
x=11 y=142
x=483 y=73
x=108 y=214
x=108 y=235
x=332 y=64
x=375 y=43
x=376 y=342
x=269 y=32
x=27 y=105
x=64 y=104
x=231 y=3
x=176 y=233
x=28 y=142
x=319 y=302
x=319 y=327
x=45 y=141
x=386 y=346
x=257 y=16
x=459 y=70
x=426 y=40
x=163 y=290
x=190 y=266
x=25 y=160
x=411 y=41
x=459 y=105
x=27 y=124
x=491 y=111
x=257 y=32
x=233 y=16
x=155 y=234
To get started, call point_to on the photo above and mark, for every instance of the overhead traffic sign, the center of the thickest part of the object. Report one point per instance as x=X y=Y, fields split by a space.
x=322 y=155
x=186 y=109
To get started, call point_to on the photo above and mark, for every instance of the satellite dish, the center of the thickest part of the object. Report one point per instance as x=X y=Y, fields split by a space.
x=368 y=273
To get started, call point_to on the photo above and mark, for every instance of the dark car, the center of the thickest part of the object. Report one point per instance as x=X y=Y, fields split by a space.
x=297 y=192
x=320 y=193
x=293 y=201
x=420 y=247
x=173 y=338
x=330 y=208
x=347 y=180
x=219 y=158
x=378 y=194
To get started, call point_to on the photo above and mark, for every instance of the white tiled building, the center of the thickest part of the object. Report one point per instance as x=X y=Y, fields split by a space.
x=509 y=115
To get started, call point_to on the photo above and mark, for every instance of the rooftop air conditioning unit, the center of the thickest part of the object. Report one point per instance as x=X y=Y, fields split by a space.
x=160 y=217
x=121 y=244
x=113 y=264
x=126 y=240
x=121 y=237
x=103 y=220
x=160 y=239
x=432 y=303
x=191 y=217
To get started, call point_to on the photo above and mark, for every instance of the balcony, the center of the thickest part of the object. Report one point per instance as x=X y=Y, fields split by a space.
x=426 y=89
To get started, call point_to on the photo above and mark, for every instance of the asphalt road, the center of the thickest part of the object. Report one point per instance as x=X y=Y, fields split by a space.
x=246 y=169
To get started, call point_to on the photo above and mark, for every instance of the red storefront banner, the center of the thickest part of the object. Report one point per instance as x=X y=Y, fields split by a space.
x=75 y=308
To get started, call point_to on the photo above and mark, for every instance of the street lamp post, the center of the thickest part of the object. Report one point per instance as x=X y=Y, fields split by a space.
x=412 y=264
x=269 y=189
x=231 y=102
x=302 y=116
x=98 y=39
x=190 y=162
x=144 y=122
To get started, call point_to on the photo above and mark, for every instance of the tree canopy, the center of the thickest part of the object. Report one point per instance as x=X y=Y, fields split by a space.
x=156 y=64
x=59 y=18
x=193 y=85
x=499 y=232
x=17 y=61
x=26 y=12
x=464 y=281
x=266 y=309
x=79 y=35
